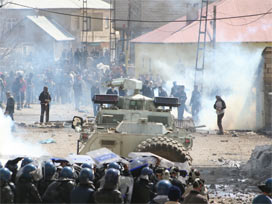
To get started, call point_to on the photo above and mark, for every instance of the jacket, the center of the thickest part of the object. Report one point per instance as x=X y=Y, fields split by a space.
x=195 y=197
x=10 y=105
x=142 y=191
x=26 y=192
x=108 y=196
x=45 y=97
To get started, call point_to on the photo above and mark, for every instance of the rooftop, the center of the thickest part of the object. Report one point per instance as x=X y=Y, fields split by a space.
x=51 y=28
x=249 y=29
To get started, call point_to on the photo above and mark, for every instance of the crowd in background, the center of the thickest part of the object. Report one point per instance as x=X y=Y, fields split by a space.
x=78 y=76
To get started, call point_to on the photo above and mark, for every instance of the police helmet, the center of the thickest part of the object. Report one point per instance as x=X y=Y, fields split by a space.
x=5 y=174
x=267 y=186
x=163 y=187
x=67 y=172
x=146 y=171
x=85 y=175
x=85 y=165
x=26 y=161
x=114 y=165
x=28 y=171
x=112 y=177
x=49 y=169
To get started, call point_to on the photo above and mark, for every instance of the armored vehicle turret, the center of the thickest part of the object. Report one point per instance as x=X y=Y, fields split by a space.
x=126 y=124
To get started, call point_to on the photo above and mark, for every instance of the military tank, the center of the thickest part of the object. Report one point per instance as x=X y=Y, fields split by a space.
x=132 y=123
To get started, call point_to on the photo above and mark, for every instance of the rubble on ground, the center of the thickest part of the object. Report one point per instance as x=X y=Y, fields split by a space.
x=259 y=166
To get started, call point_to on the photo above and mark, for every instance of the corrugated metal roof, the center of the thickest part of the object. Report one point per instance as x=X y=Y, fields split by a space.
x=56 y=4
x=250 y=29
x=54 y=30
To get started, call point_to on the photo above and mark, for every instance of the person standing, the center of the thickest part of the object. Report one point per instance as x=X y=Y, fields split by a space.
x=182 y=99
x=174 y=89
x=45 y=99
x=220 y=107
x=10 y=105
x=195 y=195
x=162 y=92
x=111 y=91
x=195 y=103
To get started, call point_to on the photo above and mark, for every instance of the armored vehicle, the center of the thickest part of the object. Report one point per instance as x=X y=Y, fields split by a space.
x=132 y=123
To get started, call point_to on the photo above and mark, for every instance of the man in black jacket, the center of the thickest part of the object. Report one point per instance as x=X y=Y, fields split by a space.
x=10 y=105
x=45 y=99
x=220 y=107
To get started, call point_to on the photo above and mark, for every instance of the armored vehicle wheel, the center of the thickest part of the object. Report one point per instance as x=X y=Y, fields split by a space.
x=165 y=147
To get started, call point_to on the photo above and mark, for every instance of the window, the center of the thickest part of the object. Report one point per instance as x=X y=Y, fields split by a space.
x=112 y=119
x=107 y=23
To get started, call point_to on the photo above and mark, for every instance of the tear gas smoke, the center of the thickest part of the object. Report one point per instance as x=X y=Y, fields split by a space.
x=230 y=74
x=14 y=146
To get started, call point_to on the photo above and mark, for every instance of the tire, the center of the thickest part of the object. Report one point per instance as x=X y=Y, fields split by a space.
x=165 y=147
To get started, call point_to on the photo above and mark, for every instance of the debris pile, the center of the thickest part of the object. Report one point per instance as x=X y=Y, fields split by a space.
x=260 y=163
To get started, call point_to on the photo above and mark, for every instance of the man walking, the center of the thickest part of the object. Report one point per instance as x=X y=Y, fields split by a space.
x=45 y=99
x=10 y=105
x=220 y=107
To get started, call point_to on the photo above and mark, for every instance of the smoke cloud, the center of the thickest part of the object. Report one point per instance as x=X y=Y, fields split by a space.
x=229 y=73
x=11 y=146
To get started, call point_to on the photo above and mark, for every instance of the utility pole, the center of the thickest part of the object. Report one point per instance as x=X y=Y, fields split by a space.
x=112 y=33
x=128 y=34
x=84 y=36
x=214 y=27
x=201 y=45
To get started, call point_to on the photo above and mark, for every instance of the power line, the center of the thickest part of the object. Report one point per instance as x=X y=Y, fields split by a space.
x=142 y=21
x=243 y=24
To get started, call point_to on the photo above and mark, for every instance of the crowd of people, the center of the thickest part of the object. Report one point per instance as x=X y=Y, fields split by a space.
x=79 y=86
x=58 y=181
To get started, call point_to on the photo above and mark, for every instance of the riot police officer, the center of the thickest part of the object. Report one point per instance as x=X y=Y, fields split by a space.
x=7 y=194
x=109 y=193
x=26 y=190
x=59 y=191
x=48 y=170
x=142 y=189
x=162 y=188
x=83 y=193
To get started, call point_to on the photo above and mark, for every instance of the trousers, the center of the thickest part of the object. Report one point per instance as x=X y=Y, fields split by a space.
x=219 y=122
x=44 y=108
